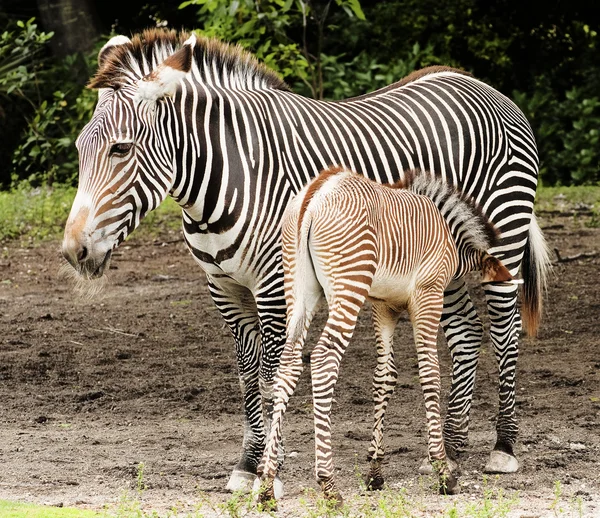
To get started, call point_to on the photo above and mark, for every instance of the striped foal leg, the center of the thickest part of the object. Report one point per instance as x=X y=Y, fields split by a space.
x=236 y=305
x=505 y=325
x=286 y=379
x=324 y=366
x=384 y=383
x=464 y=332
x=425 y=309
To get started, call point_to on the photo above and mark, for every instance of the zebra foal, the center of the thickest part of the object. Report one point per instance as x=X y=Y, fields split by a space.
x=347 y=239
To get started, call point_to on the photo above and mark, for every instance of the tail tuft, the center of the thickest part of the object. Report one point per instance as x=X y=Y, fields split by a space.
x=535 y=267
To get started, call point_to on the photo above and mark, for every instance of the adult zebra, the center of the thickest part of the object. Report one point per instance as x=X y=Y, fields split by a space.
x=205 y=123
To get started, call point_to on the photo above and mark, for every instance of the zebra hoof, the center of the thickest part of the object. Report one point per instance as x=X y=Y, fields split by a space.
x=501 y=462
x=427 y=469
x=277 y=487
x=241 y=481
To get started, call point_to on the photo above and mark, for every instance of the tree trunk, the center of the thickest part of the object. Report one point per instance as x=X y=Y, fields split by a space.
x=73 y=22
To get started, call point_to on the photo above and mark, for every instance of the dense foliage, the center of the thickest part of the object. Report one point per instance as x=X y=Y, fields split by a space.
x=545 y=56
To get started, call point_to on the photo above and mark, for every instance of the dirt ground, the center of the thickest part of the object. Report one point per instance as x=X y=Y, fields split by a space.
x=146 y=374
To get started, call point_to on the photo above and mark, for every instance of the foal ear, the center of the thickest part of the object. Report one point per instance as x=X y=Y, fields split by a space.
x=492 y=270
x=165 y=78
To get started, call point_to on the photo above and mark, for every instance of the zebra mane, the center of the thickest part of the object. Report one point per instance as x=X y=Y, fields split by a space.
x=468 y=224
x=216 y=61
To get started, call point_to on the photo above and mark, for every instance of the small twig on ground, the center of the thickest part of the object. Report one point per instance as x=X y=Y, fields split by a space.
x=114 y=330
x=553 y=227
x=584 y=255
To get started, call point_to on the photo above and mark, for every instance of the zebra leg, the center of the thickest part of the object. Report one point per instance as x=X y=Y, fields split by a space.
x=286 y=379
x=384 y=383
x=324 y=366
x=505 y=325
x=271 y=307
x=464 y=333
x=237 y=306
x=290 y=369
x=425 y=309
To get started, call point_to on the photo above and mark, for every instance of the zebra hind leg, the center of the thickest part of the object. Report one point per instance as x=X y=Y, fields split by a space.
x=269 y=487
x=324 y=366
x=384 y=383
x=505 y=325
x=464 y=333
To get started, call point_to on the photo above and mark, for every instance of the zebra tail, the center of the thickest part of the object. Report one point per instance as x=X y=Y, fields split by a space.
x=535 y=269
x=303 y=278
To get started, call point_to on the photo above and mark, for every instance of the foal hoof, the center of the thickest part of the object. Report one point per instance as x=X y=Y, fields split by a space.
x=375 y=483
x=334 y=500
x=501 y=462
x=240 y=481
x=277 y=487
x=449 y=485
x=266 y=499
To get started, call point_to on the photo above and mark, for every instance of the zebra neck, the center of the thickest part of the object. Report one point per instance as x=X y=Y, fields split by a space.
x=223 y=154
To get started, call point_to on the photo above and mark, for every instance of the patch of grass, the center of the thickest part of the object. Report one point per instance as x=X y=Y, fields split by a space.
x=40 y=214
x=34 y=214
x=568 y=198
x=19 y=510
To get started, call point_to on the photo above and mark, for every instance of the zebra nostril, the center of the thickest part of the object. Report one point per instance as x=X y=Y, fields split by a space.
x=82 y=254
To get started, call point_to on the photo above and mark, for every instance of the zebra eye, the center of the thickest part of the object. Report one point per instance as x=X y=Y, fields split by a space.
x=121 y=148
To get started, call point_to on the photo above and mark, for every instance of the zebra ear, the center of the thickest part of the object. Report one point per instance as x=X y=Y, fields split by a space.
x=164 y=80
x=105 y=51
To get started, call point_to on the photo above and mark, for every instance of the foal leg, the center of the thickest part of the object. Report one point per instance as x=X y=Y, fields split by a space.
x=425 y=309
x=286 y=379
x=324 y=364
x=384 y=383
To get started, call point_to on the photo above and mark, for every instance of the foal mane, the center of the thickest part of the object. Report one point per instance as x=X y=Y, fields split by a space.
x=216 y=60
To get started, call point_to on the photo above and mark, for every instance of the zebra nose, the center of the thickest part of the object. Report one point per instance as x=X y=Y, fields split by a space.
x=75 y=253
x=82 y=254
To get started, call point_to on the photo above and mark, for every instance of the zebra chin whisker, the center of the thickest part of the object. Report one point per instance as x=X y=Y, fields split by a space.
x=83 y=285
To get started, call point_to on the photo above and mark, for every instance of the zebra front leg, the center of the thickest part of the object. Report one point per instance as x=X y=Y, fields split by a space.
x=236 y=305
x=271 y=305
x=464 y=333
x=505 y=325
x=425 y=309
x=384 y=383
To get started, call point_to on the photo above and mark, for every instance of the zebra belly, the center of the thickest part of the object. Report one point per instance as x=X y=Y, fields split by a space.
x=393 y=289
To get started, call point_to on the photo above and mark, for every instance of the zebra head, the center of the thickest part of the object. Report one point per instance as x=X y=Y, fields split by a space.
x=125 y=156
